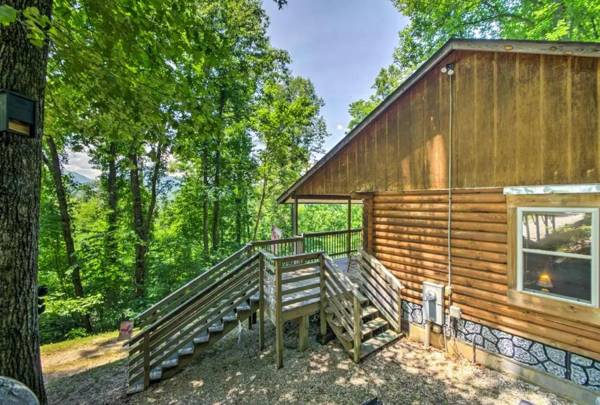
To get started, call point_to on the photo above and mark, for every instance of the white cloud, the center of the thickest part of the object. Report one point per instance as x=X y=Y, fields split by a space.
x=79 y=162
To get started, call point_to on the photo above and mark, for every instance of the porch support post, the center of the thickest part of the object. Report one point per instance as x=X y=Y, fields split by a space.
x=295 y=217
x=349 y=236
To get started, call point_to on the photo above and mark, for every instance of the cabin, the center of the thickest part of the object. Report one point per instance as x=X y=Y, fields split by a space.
x=479 y=180
x=480 y=183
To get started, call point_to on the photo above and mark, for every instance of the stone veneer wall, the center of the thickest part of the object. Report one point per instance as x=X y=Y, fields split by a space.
x=560 y=363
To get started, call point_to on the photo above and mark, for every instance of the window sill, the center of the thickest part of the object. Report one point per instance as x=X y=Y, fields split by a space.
x=557 y=308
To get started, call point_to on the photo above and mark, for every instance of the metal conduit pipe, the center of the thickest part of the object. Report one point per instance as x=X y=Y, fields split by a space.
x=449 y=71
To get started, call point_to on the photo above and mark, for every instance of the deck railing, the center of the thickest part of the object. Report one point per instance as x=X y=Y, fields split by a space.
x=296 y=284
x=382 y=288
x=334 y=243
x=342 y=307
x=201 y=283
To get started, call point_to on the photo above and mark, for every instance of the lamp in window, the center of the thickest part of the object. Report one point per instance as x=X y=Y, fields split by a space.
x=544 y=281
x=17 y=114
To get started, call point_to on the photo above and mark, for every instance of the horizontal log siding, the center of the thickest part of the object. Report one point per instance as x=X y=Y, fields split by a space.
x=410 y=238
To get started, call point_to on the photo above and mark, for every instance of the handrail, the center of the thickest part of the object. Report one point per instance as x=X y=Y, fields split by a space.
x=189 y=301
x=382 y=288
x=201 y=279
x=344 y=300
x=324 y=233
x=389 y=276
x=176 y=329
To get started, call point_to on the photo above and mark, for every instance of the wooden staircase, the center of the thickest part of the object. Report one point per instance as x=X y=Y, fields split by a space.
x=363 y=325
x=364 y=312
x=190 y=320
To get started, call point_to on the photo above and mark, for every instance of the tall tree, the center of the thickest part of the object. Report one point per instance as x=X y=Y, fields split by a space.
x=23 y=70
x=53 y=163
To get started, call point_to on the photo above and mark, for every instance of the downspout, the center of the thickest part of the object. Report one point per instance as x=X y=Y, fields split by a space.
x=449 y=70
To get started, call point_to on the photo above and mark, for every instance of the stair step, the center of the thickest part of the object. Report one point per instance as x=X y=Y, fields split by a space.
x=369 y=311
x=187 y=350
x=171 y=362
x=255 y=297
x=135 y=388
x=202 y=338
x=230 y=317
x=215 y=328
x=378 y=342
x=155 y=374
x=243 y=308
x=369 y=327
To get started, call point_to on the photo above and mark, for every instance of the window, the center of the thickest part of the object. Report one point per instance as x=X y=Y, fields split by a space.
x=557 y=253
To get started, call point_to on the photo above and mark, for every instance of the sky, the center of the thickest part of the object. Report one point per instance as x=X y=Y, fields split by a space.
x=340 y=45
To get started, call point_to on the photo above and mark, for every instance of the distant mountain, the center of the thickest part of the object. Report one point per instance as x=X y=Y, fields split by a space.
x=80 y=178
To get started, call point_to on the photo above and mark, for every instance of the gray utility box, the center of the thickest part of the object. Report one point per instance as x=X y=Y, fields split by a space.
x=433 y=302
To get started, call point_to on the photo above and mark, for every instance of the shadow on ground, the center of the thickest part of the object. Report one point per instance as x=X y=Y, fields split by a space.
x=235 y=372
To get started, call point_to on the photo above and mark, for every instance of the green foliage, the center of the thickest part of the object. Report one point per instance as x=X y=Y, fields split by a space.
x=191 y=96
x=8 y=15
x=432 y=23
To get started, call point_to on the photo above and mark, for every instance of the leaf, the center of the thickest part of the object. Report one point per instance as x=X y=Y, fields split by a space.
x=8 y=15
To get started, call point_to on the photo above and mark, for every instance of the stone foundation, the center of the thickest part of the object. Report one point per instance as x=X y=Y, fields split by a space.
x=557 y=362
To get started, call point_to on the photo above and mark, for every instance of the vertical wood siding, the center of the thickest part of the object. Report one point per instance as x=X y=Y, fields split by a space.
x=519 y=119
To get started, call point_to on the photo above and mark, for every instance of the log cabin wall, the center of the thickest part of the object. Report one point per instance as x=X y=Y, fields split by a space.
x=410 y=239
x=518 y=119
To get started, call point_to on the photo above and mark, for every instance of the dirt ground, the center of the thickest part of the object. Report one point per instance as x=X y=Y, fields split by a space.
x=235 y=372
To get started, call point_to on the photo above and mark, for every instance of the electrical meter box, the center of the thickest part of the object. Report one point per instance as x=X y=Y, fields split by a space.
x=433 y=302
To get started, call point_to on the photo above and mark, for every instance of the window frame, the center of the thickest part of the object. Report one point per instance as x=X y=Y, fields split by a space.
x=593 y=257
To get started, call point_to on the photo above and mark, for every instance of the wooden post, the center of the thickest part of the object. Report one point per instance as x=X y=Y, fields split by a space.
x=278 y=316
x=323 y=303
x=303 y=333
x=261 y=303
x=295 y=217
x=146 y=348
x=357 y=309
x=349 y=236
x=399 y=303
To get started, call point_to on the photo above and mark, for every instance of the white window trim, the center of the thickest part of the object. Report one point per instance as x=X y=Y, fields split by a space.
x=595 y=273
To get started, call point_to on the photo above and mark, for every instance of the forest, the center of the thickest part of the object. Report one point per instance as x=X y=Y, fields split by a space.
x=196 y=125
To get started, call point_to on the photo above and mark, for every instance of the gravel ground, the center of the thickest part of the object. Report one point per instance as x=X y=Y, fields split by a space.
x=234 y=372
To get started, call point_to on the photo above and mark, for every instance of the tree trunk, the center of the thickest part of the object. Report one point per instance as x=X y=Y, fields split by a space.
x=217 y=183
x=54 y=166
x=113 y=200
x=143 y=223
x=261 y=203
x=205 y=244
x=138 y=227
x=238 y=220
x=217 y=203
x=22 y=69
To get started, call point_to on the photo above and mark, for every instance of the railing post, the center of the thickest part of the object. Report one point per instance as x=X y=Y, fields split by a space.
x=399 y=303
x=357 y=310
x=323 y=303
x=278 y=316
x=261 y=303
x=146 y=349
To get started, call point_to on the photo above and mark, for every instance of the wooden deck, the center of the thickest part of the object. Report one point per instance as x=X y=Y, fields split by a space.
x=303 y=283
